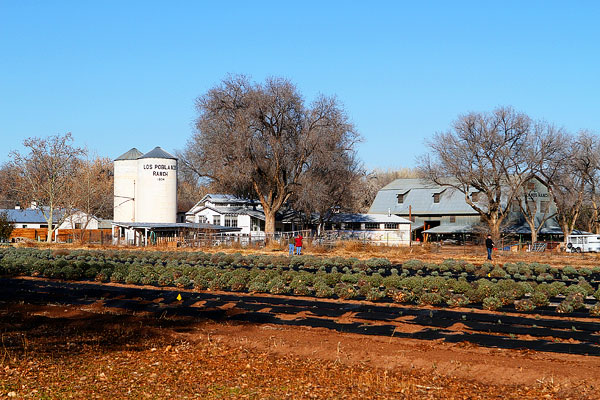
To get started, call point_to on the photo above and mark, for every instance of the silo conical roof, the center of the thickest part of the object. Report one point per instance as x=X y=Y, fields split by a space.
x=157 y=152
x=132 y=154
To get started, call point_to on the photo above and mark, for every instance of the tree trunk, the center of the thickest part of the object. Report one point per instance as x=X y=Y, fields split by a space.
x=494 y=225
x=533 y=230
x=269 y=222
x=566 y=232
x=50 y=227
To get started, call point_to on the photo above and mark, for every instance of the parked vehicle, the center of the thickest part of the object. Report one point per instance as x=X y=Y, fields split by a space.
x=583 y=243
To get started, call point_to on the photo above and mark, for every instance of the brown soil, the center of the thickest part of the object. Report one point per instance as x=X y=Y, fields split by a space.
x=93 y=351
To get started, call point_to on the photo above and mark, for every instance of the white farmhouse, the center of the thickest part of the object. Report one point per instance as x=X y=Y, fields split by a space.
x=233 y=212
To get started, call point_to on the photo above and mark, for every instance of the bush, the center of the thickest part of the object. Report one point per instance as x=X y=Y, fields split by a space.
x=277 y=286
x=457 y=300
x=134 y=277
x=460 y=286
x=201 y=282
x=403 y=296
x=183 y=282
x=323 y=290
x=165 y=279
x=595 y=310
x=434 y=284
x=431 y=299
x=345 y=291
x=497 y=272
x=394 y=281
x=524 y=305
x=374 y=294
x=117 y=276
x=237 y=282
x=492 y=303
x=565 y=307
x=539 y=298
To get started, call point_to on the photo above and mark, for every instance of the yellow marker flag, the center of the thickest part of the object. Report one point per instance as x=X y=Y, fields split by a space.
x=489 y=274
x=179 y=297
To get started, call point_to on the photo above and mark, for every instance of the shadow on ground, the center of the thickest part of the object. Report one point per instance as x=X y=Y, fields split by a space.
x=126 y=313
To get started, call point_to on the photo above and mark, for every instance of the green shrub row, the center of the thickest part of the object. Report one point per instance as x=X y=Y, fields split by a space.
x=491 y=293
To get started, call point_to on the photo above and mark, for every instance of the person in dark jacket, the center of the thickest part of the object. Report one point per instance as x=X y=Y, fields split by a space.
x=489 y=244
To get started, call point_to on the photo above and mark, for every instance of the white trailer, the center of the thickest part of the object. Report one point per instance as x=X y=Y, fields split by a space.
x=583 y=243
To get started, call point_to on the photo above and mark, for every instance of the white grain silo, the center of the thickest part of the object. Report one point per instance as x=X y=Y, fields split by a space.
x=126 y=175
x=156 y=188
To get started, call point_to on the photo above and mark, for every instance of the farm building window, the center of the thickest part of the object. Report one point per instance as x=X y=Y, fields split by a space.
x=391 y=226
x=400 y=198
x=475 y=196
x=201 y=219
x=231 y=221
x=371 y=225
x=452 y=219
x=436 y=197
x=217 y=219
x=530 y=185
x=531 y=205
x=515 y=206
x=77 y=226
x=544 y=206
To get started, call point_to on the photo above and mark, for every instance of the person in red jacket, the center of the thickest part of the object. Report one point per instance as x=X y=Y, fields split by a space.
x=298 y=243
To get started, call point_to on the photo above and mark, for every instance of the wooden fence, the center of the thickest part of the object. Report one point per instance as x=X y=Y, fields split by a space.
x=102 y=236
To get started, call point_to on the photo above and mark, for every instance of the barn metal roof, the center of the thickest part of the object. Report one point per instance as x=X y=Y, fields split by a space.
x=30 y=215
x=418 y=195
x=132 y=154
x=450 y=229
x=368 y=218
x=158 y=152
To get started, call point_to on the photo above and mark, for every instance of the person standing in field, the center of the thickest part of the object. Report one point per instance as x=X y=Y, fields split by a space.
x=291 y=245
x=489 y=244
x=298 y=243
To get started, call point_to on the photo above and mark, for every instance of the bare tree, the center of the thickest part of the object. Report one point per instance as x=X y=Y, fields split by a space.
x=92 y=187
x=45 y=176
x=484 y=153
x=8 y=195
x=258 y=139
x=566 y=177
x=546 y=148
x=190 y=188
x=589 y=152
x=331 y=185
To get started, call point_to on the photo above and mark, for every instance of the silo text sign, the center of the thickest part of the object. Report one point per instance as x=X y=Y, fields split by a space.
x=160 y=169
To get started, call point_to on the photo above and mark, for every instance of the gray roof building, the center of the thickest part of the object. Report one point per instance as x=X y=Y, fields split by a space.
x=419 y=198
x=30 y=215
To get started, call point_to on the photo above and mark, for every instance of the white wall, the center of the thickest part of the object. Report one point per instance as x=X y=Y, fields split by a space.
x=126 y=172
x=243 y=221
x=82 y=218
x=156 y=190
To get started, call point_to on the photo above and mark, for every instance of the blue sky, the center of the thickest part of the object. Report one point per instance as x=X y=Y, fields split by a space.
x=122 y=74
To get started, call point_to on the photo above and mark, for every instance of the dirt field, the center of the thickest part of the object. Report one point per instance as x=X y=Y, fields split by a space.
x=67 y=340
